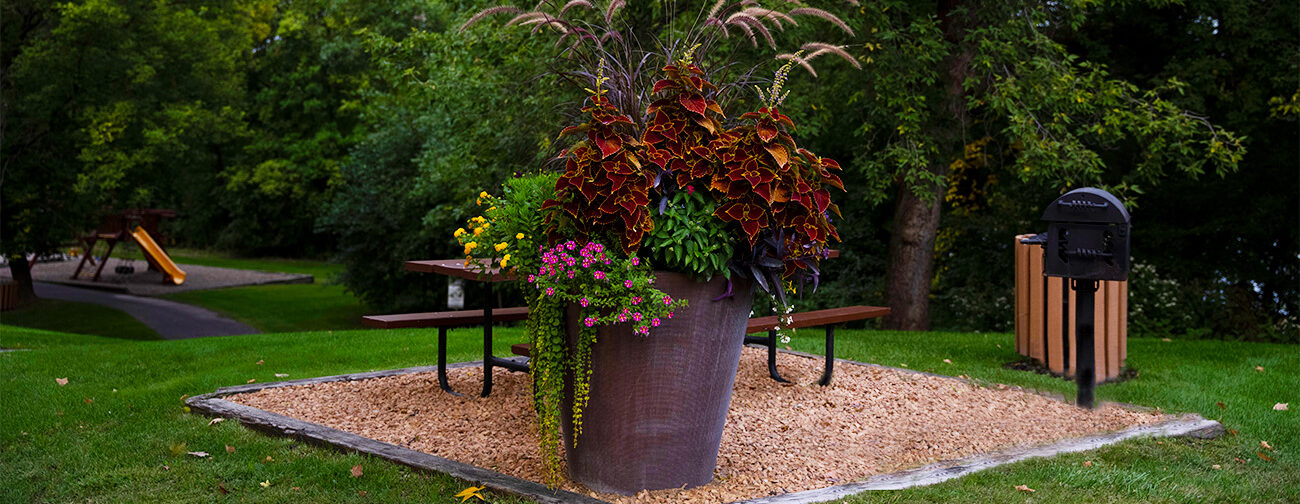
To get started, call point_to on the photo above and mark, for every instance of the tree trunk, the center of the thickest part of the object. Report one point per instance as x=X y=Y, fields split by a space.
x=21 y=270
x=911 y=254
x=916 y=222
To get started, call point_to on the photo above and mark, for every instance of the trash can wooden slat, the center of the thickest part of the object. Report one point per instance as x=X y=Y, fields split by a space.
x=1045 y=319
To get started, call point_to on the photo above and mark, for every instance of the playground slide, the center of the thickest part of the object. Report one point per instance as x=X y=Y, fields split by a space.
x=157 y=255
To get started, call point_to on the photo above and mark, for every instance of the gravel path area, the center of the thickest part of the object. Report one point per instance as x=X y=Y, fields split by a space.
x=149 y=283
x=778 y=439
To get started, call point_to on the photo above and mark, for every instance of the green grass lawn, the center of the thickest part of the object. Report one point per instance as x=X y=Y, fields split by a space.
x=118 y=431
x=79 y=318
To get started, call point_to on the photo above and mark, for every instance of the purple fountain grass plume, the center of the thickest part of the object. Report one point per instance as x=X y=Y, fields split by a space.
x=776 y=17
x=575 y=3
x=488 y=12
x=614 y=5
x=754 y=23
x=748 y=31
x=803 y=62
x=713 y=13
x=815 y=12
x=820 y=48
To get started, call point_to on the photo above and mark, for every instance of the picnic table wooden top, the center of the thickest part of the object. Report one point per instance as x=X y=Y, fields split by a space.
x=458 y=268
x=471 y=271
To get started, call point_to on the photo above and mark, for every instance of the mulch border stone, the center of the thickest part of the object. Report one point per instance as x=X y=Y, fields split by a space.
x=212 y=404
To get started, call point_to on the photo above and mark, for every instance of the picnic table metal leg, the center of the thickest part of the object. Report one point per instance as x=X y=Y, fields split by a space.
x=771 y=358
x=830 y=356
x=487 y=339
x=442 y=362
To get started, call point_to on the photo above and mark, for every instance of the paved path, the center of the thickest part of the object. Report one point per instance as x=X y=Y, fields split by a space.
x=172 y=320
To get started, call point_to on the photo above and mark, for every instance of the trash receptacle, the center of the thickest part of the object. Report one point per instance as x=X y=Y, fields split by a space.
x=1045 y=319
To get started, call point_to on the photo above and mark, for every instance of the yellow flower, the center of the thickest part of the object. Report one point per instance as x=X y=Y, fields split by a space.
x=483 y=194
x=519 y=236
x=491 y=208
x=479 y=219
x=505 y=260
x=501 y=246
x=478 y=231
x=469 y=247
x=459 y=232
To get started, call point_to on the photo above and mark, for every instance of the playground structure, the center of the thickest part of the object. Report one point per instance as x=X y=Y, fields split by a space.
x=140 y=225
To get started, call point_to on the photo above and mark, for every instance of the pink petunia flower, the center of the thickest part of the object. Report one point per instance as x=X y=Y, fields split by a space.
x=627 y=283
x=589 y=321
x=584 y=302
x=655 y=322
x=550 y=291
x=636 y=316
x=600 y=275
x=636 y=261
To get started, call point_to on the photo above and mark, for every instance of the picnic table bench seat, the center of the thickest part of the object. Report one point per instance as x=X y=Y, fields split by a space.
x=828 y=318
x=459 y=318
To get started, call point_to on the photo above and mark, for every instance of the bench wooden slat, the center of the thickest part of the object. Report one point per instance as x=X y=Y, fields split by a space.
x=819 y=317
x=522 y=349
x=442 y=319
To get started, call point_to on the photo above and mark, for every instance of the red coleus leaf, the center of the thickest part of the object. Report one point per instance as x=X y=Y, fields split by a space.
x=606 y=140
x=766 y=131
x=717 y=109
x=696 y=82
x=823 y=198
x=708 y=123
x=664 y=84
x=778 y=153
x=573 y=130
x=693 y=102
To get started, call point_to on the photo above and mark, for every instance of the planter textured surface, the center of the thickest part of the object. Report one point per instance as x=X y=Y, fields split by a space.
x=658 y=403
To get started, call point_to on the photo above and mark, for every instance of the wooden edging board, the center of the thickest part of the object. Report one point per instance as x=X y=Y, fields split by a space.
x=213 y=404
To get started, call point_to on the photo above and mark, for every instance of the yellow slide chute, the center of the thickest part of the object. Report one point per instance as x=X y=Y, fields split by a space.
x=157 y=257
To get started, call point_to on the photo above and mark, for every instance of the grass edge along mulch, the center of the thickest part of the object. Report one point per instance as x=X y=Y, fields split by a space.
x=214 y=404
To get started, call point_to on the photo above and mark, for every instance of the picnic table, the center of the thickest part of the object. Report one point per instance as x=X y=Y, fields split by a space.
x=472 y=270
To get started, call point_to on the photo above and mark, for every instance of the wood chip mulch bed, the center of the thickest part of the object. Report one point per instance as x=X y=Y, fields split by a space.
x=779 y=438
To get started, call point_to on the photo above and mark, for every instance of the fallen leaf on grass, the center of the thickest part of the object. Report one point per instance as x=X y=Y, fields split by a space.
x=1263 y=456
x=221 y=489
x=216 y=421
x=178 y=448
x=1216 y=467
x=947 y=361
x=1087 y=463
x=296 y=489
x=251 y=380
x=259 y=362
x=265 y=484
x=1282 y=406
x=362 y=493
x=356 y=471
x=282 y=375
x=1025 y=488
x=61 y=381
x=268 y=459
x=1240 y=460
x=1221 y=405
x=230 y=449
x=471 y=492
x=88 y=400
x=1266 y=446
x=1232 y=431
x=167 y=467
x=1259 y=368
x=1166 y=340
x=199 y=454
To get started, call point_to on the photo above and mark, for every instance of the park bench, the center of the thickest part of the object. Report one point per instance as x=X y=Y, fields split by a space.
x=444 y=320
x=828 y=318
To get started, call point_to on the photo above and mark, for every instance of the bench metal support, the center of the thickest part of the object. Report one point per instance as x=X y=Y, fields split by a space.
x=830 y=356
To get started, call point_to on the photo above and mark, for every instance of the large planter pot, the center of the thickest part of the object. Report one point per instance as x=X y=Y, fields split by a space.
x=658 y=403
